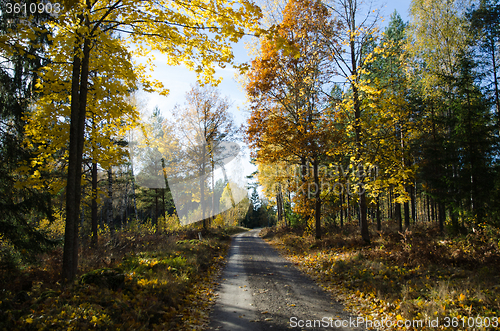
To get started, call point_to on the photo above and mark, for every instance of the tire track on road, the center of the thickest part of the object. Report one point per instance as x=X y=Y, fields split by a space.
x=260 y=290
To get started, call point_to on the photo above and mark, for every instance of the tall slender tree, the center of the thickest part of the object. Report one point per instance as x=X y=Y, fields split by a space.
x=352 y=56
x=205 y=128
x=484 y=22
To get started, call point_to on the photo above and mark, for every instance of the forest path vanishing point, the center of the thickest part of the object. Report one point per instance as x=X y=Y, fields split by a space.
x=260 y=290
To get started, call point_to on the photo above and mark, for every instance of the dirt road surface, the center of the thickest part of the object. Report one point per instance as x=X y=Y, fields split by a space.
x=260 y=290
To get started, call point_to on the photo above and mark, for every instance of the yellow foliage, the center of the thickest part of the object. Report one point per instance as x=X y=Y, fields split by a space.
x=54 y=229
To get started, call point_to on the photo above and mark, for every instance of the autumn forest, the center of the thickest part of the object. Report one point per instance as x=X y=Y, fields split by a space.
x=376 y=144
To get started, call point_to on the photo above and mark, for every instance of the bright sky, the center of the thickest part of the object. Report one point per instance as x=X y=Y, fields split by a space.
x=179 y=79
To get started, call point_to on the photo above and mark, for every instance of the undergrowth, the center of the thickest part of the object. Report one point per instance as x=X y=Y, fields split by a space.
x=417 y=275
x=130 y=281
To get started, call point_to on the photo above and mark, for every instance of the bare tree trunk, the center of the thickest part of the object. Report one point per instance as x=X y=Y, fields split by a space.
x=202 y=187
x=365 y=234
x=303 y=168
x=397 y=215
x=429 y=219
x=164 y=211
x=125 y=203
x=407 y=212
x=379 y=223
x=283 y=208
x=495 y=81
x=133 y=190
x=390 y=206
x=348 y=209
x=213 y=184
x=441 y=217
x=413 y=196
x=79 y=89
x=82 y=213
x=278 y=206
x=341 y=209
x=433 y=210
x=124 y=207
x=317 y=207
x=155 y=219
x=109 y=210
x=94 y=205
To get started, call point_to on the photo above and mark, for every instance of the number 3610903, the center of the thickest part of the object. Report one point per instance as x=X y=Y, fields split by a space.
x=32 y=8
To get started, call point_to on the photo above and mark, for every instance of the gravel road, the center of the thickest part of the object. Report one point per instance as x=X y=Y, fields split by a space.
x=260 y=290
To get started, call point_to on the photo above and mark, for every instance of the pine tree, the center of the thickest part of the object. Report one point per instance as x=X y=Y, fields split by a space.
x=485 y=25
x=20 y=206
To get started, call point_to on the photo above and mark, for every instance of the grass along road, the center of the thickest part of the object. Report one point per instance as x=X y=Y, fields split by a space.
x=418 y=275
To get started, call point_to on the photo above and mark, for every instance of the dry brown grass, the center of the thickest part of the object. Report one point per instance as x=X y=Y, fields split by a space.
x=416 y=274
x=130 y=280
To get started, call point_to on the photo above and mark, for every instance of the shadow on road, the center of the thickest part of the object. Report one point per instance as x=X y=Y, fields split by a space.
x=260 y=290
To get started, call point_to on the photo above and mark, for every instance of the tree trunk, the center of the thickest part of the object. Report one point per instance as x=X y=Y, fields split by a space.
x=202 y=187
x=164 y=210
x=365 y=234
x=109 y=210
x=397 y=215
x=124 y=207
x=407 y=212
x=213 y=185
x=125 y=203
x=304 y=168
x=82 y=213
x=94 y=205
x=283 y=208
x=441 y=216
x=317 y=214
x=429 y=219
x=379 y=223
x=155 y=219
x=454 y=219
x=79 y=89
x=278 y=207
x=133 y=191
x=390 y=206
x=495 y=81
x=341 y=209
x=433 y=210
x=413 y=196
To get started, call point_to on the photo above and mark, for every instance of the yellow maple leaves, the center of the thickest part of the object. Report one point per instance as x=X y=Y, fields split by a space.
x=198 y=34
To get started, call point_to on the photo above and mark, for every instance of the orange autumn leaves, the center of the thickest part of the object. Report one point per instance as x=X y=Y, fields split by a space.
x=293 y=119
x=290 y=116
